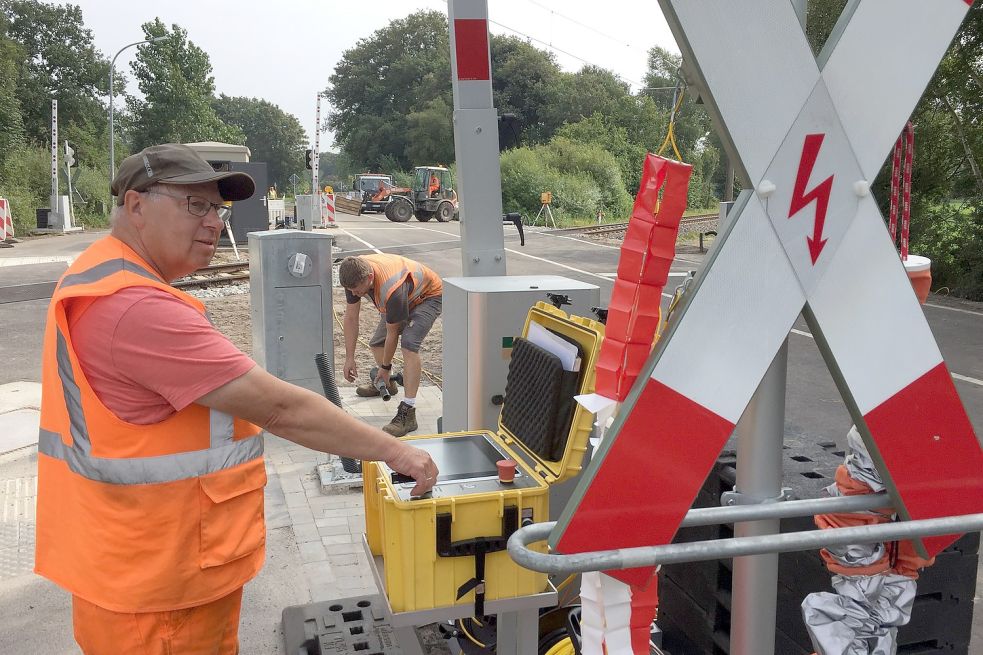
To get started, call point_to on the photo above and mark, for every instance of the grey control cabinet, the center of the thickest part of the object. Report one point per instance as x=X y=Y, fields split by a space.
x=291 y=308
x=481 y=316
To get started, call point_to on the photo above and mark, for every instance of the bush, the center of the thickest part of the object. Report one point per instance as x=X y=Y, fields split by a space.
x=583 y=179
x=951 y=235
x=25 y=181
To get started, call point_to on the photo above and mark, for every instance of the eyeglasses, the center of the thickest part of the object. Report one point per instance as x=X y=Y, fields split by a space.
x=198 y=206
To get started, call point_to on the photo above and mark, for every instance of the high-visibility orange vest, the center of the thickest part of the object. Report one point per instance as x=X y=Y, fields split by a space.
x=391 y=271
x=139 y=518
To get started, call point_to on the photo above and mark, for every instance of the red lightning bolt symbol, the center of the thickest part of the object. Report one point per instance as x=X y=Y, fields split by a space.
x=820 y=193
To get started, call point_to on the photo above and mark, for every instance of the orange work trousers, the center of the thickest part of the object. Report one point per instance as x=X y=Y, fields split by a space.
x=210 y=629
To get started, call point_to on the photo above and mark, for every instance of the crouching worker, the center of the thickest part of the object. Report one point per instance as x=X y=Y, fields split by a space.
x=408 y=296
x=150 y=452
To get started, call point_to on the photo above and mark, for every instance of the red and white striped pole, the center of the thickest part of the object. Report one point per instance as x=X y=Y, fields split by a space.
x=892 y=226
x=901 y=166
x=906 y=190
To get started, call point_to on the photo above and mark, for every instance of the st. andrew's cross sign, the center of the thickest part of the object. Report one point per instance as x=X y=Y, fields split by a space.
x=810 y=135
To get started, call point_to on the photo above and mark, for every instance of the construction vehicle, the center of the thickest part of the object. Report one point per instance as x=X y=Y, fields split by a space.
x=432 y=196
x=374 y=190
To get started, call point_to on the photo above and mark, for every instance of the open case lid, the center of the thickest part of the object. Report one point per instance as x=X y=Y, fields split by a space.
x=587 y=335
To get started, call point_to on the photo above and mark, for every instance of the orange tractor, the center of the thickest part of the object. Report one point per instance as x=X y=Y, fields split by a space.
x=432 y=196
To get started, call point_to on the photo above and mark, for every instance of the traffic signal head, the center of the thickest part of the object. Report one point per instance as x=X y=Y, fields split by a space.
x=310 y=159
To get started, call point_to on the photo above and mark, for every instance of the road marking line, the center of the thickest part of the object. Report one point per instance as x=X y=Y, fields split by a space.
x=964 y=378
x=569 y=268
x=367 y=244
x=954 y=309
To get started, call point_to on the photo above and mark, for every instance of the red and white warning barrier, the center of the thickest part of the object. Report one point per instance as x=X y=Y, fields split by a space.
x=6 y=221
x=328 y=210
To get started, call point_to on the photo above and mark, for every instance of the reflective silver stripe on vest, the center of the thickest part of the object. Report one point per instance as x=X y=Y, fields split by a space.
x=417 y=283
x=221 y=427
x=105 y=269
x=388 y=286
x=151 y=470
x=73 y=397
x=416 y=274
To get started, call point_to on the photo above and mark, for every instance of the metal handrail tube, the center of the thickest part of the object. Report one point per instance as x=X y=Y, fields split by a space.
x=699 y=551
x=787 y=509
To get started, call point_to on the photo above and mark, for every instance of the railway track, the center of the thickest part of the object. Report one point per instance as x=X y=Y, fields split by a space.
x=215 y=275
x=699 y=223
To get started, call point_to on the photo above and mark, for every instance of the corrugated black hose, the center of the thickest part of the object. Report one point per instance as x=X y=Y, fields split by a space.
x=325 y=369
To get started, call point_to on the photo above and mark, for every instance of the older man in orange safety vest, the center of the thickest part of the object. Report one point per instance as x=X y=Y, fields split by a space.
x=150 y=453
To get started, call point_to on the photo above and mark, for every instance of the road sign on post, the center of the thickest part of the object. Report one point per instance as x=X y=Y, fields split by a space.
x=810 y=239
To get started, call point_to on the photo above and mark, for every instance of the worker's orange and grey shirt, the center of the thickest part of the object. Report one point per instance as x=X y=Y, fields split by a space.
x=399 y=285
x=139 y=518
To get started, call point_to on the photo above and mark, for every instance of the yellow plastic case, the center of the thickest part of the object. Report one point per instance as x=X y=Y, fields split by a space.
x=406 y=532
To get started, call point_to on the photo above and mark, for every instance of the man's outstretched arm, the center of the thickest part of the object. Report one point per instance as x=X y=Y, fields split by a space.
x=311 y=420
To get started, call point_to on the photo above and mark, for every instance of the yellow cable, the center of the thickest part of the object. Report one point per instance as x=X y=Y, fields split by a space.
x=460 y=624
x=671 y=130
x=562 y=647
x=437 y=380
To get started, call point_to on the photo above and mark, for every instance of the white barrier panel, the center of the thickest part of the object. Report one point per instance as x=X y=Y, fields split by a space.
x=277 y=210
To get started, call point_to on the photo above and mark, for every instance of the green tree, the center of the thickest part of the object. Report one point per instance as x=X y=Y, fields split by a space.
x=272 y=135
x=427 y=131
x=524 y=82
x=11 y=121
x=579 y=95
x=382 y=81
x=175 y=78
x=58 y=60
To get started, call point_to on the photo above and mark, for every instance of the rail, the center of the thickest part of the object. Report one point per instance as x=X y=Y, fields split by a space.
x=702 y=223
x=214 y=275
x=698 y=551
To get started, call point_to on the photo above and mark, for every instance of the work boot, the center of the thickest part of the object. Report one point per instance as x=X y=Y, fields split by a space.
x=368 y=390
x=403 y=422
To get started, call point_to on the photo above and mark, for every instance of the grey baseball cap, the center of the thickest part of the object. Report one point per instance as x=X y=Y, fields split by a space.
x=175 y=163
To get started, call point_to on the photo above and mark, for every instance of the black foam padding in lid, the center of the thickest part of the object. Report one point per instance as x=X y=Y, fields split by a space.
x=538 y=395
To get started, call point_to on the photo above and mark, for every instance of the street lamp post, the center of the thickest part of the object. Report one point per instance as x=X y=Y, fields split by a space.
x=112 y=136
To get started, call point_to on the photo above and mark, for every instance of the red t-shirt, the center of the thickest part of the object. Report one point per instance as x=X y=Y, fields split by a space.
x=147 y=354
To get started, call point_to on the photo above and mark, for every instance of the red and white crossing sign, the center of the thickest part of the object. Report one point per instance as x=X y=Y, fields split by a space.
x=810 y=135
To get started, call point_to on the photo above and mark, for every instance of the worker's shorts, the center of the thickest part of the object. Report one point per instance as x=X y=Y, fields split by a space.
x=211 y=629
x=416 y=327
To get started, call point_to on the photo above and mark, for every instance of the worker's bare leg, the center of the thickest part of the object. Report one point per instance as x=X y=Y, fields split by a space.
x=411 y=373
x=377 y=354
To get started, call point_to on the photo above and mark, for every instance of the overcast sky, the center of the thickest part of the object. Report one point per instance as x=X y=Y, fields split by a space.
x=285 y=51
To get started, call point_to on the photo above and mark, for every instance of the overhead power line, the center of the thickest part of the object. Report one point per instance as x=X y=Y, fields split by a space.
x=560 y=50
x=588 y=27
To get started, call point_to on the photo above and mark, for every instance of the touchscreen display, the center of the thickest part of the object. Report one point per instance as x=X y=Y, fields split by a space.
x=459 y=458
